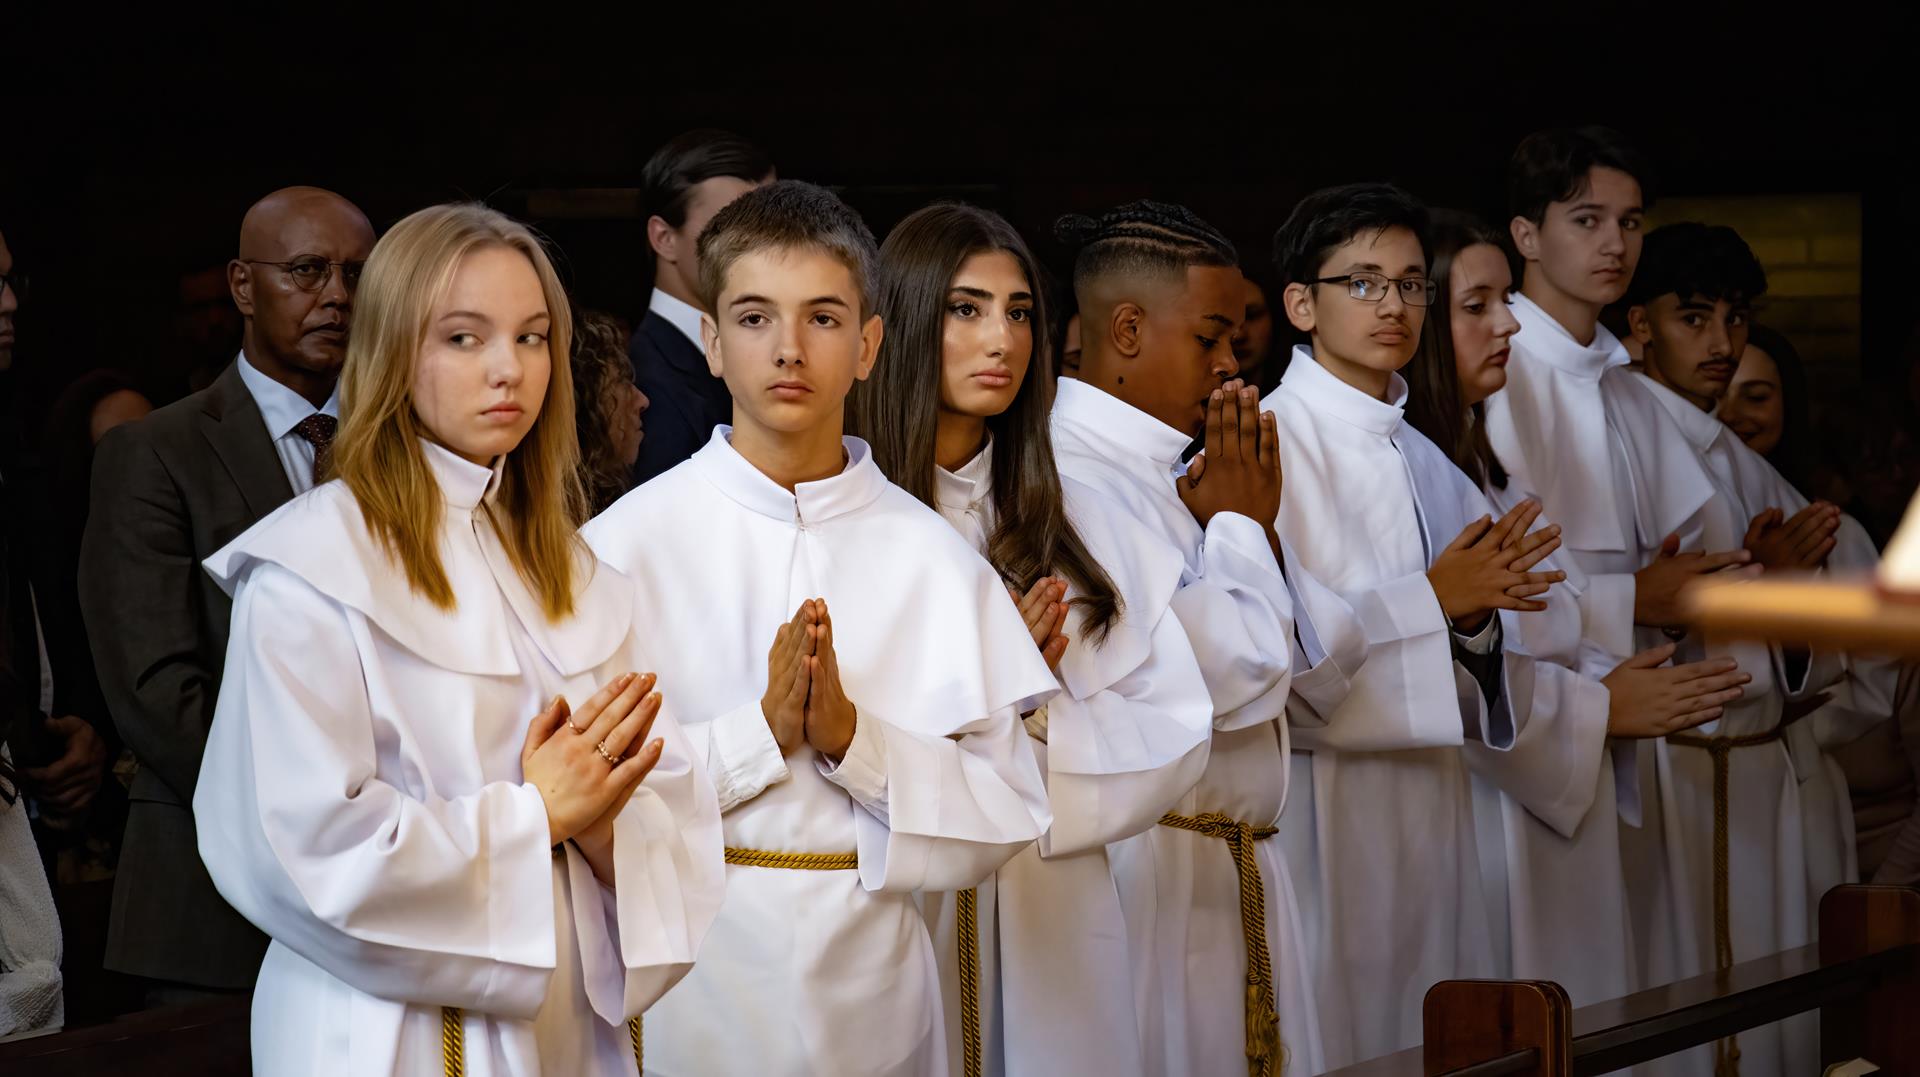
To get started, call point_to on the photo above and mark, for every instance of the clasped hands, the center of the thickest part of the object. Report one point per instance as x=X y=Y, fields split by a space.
x=1487 y=568
x=805 y=702
x=583 y=773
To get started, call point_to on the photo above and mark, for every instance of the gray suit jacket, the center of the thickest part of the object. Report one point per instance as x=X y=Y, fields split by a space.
x=168 y=491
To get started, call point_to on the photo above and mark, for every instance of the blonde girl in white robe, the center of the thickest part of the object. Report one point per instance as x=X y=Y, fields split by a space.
x=957 y=416
x=434 y=777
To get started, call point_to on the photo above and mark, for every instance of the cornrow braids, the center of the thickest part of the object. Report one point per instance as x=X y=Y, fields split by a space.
x=1142 y=237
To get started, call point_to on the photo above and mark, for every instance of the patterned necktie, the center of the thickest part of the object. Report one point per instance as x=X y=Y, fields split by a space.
x=318 y=430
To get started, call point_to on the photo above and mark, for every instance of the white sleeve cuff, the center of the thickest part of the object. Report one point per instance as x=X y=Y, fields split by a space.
x=743 y=758
x=862 y=772
x=1483 y=641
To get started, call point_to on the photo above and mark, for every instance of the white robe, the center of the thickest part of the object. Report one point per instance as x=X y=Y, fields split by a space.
x=32 y=999
x=1861 y=687
x=1385 y=838
x=1125 y=739
x=814 y=972
x=1259 y=633
x=362 y=803
x=1618 y=474
x=1547 y=809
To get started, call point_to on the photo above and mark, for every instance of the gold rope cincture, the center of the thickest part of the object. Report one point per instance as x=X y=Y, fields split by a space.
x=966 y=922
x=452 y=1054
x=1726 y=1052
x=1265 y=1051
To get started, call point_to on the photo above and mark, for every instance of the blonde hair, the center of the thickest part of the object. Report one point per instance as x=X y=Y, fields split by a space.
x=377 y=453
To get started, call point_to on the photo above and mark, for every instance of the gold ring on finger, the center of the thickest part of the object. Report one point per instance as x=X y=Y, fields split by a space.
x=612 y=760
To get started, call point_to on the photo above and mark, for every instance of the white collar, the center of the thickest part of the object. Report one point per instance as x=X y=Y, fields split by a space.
x=959 y=491
x=1133 y=439
x=322 y=537
x=1700 y=427
x=1551 y=342
x=855 y=487
x=681 y=315
x=462 y=482
x=1325 y=392
x=281 y=408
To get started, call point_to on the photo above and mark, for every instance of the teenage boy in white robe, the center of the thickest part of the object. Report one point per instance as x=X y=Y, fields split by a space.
x=1384 y=833
x=861 y=674
x=1690 y=305
x=1213 y=925
x=1640 y=515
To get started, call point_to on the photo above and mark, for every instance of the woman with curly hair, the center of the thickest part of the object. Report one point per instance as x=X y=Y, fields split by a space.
x=608 y=418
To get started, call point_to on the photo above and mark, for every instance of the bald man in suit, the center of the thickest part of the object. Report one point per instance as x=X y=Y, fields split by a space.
x=169 y=491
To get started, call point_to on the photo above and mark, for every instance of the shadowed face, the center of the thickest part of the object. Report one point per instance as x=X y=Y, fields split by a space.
x=1755 y=406
x=1482 y=323
x=1692 y=344
x=1587 y=246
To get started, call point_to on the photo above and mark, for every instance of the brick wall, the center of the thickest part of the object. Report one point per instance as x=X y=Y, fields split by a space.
x=1810 y=246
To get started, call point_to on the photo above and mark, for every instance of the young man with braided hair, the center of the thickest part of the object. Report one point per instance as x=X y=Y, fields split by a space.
x=1160 y=296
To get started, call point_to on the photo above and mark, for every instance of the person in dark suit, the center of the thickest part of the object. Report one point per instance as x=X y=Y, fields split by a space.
x=685 y=183
x=169 y=491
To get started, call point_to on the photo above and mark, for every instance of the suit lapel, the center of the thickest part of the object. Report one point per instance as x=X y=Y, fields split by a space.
x=689 y=365
x=232 y=425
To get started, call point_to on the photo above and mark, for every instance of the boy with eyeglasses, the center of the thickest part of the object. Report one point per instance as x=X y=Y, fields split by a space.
x=1380 y=829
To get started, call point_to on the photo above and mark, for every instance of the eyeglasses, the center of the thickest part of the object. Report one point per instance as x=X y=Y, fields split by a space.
x=312 y=273
x=16 y=283
x=1372 y=287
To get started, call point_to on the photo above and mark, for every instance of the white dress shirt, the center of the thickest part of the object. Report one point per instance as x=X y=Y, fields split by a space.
x=681 y=315
x=283 y=409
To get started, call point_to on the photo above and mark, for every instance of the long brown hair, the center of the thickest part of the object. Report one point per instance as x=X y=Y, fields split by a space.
x=897 y=409
x=540 y=503
x=1436 y=405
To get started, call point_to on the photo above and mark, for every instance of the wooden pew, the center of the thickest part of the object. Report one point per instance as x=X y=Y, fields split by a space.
x=1863 y=976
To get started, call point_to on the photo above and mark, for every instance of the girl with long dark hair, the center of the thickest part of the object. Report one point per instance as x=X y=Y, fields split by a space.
x=1554 y=794
x=957 y=413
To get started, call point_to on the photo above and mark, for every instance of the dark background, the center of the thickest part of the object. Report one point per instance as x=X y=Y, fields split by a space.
x=133 y=142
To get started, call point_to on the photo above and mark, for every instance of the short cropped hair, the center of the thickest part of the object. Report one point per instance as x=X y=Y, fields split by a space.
x=1143 y=237
x=1691 y=259
x=1332 y=216
x=667 y=181
x=1553 y=166
x=787 y=215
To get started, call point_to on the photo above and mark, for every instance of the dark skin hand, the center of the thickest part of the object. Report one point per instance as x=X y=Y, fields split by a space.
x=1487 y=568
x=66 y=786
x=1240 y=470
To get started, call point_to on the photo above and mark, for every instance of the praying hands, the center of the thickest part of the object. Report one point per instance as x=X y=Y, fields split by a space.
x=1240 y=469
x=804 y=702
